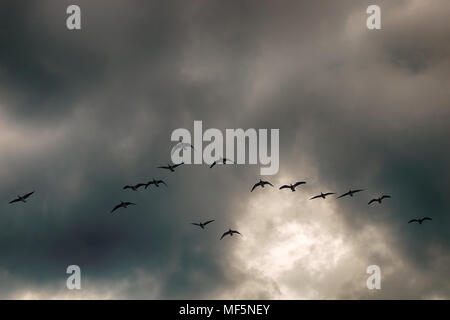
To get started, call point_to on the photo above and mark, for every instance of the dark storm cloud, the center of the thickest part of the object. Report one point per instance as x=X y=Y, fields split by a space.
x=39 y=78
x=97 y=107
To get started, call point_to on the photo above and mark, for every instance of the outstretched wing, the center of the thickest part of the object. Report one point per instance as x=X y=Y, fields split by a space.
x=27 y=195
x=116 y=207
x=385 y=197
x=164 y=167
x=426 y=218
x=343 y=195
x=328 y=193
x=256 y=184
x=160 y=181
x=225 y=160
x=413 y=220
x=139 y=185
x=373 y=200
x=315 y=197
x=267 y=182
x=299 y=183
x=179 y=145
x=209 y=221
x=285 y=187
x=187 y=145
x=174 y=149
x=235 y=231
x=15 y=200
x=177 y=165
x=130 y=203
x=228 y=232
x=358 y=190
x=196 y=224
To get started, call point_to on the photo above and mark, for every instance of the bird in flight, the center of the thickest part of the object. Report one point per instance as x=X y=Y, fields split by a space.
x=135 y=187
x=420 y=220
x=261 y=184
x=350 y=193
x=181 y=145
x=171 y=167
x=230 y=232
x=122 y=205
x=220 y=160
x=322 y=195
x=155 y=182
x=384 y=196
x=22 y=198
x=202 y=225
x=292 y=186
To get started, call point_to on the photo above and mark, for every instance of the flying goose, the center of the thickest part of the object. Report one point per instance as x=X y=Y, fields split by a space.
x=202 y=225
x=230 y=232
x=155 y=182
x=420 y=220
x=122 y=205
x=261 y=184
x=322 y=195
x=292 y=186
x=135 y=187
x=22 y=198
x=350 y=193
x=171 y=167
x=384 y=196
x=220 y=160
x=181 y=145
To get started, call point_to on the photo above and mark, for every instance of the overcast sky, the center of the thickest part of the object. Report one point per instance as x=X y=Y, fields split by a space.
x=82 y=113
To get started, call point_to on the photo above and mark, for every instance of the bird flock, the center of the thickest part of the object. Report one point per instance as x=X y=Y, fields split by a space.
x=261 y=183
x=351 y=193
